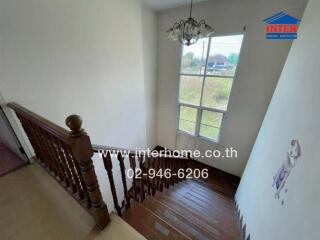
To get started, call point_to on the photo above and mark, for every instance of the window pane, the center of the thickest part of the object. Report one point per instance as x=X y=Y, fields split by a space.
x=188 y=117
x=210 y=125
x=190 y=89
x=216 y=92
x=194 y=57
x=224 y=55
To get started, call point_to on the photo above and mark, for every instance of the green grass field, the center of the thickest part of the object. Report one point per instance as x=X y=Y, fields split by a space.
x=216 y=95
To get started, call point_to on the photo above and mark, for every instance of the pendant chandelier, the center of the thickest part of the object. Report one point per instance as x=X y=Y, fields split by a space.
x=189 y=31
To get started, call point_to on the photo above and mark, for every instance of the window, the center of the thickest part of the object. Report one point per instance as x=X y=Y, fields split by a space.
x=207 y=72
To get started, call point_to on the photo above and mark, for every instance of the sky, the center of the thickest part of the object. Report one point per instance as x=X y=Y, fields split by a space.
x=224 y=45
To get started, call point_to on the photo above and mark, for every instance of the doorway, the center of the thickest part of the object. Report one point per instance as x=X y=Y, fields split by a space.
x=12 y=155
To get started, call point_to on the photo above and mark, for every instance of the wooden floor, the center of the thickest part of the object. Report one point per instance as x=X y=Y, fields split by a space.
x=8 y=160
x=192 y=209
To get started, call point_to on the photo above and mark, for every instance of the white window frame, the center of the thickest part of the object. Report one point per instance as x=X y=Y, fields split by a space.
x=200 y=108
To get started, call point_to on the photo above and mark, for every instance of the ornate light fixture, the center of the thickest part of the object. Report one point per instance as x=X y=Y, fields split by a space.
x=188 y=32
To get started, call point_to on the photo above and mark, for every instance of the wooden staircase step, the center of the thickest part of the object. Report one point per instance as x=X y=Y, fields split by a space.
x=191 y=209
x=202 y=186
x=204 y=206
x=189 y=213
x=205 y=197
x=150 y=225
x=206 y=193
x=213 y=221
x=184 y=224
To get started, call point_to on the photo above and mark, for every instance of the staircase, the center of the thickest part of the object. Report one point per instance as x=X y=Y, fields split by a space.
x=159 y=206
x=189 y=210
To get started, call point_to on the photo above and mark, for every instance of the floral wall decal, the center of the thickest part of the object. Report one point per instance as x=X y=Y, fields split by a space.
x=280 y=178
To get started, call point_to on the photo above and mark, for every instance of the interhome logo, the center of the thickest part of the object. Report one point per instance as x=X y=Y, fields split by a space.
x=281 y=26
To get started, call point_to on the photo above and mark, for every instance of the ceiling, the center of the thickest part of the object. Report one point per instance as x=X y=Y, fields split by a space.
x=159 y=5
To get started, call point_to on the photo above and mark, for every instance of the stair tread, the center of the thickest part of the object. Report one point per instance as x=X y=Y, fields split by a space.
x=203 y=215
x=192 y=209
x=204 y=197
x=186 y=225
x=150 y=225
x=208 y=204
x=206 y=191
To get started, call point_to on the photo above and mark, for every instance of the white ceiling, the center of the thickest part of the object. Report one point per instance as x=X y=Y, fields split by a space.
x=158 y=5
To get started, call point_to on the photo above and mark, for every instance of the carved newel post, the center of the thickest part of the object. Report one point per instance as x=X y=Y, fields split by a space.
x=82 y=152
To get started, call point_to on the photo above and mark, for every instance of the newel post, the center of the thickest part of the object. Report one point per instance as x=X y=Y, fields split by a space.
x=82 y=151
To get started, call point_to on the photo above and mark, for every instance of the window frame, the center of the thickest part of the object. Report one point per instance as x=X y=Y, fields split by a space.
x=201 y=108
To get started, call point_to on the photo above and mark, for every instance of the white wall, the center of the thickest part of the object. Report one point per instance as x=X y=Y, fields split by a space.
x=94 y=58
x=259 y=69
x=149 y=33
x=76 y=56
x=8 y=138
x=293 y=113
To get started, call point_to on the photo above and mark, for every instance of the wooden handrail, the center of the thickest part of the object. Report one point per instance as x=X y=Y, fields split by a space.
x=67 y=156
x=45 y=124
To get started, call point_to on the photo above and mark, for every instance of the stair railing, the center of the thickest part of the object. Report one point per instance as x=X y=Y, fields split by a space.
x=149 y=174
x=66 y=155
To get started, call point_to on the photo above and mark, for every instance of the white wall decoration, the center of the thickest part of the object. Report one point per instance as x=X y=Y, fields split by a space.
x=280 y=178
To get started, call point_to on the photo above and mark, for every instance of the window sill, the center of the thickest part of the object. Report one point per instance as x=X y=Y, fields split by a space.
x=208 y=140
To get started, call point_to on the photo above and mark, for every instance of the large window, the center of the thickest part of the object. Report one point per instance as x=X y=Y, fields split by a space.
x=207 y=72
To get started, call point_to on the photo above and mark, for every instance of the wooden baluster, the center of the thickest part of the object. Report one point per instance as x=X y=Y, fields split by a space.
x=76 y=173
x=154 y=187
x=56 y=153
x=132 y=159
x=48 y=158
x=172 y=166
x=80 y=178
x=180 y=166
x=147 y=165
x=108 y=166
x=36 y=143
x=166 y=166
x=156 y=168
x=187 y=161
x=64 y=161
x=161 y=164
x=142 y=193
x=53 y=158
x=177 y=169
x=73 y=178
x=124 y=180
x=82 y=152
x=172 y=170
x=31 y=138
